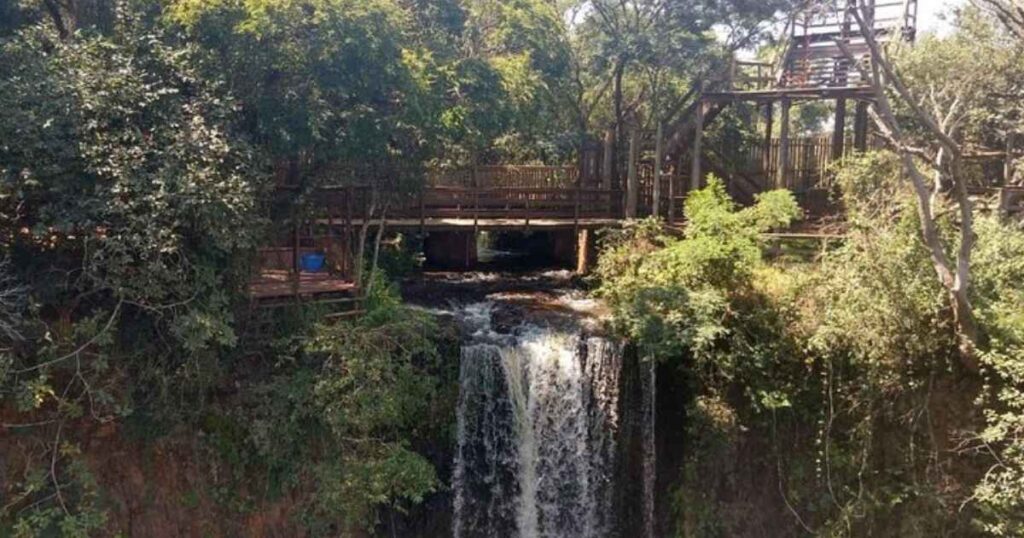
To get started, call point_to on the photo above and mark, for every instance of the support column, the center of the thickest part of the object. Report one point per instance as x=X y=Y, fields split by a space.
x=783 y=172
x=860 y=127
x=584 y=251
x=698 y=134
x=658 y=151
x=839 y=129
x=632 y=182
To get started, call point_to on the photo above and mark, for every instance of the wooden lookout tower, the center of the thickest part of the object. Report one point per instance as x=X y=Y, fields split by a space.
x=811 y=67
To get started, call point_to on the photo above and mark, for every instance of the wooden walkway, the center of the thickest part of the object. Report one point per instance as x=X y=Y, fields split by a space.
x=280 y=283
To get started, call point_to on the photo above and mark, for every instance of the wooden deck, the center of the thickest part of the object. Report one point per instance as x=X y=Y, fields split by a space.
x=275 y=284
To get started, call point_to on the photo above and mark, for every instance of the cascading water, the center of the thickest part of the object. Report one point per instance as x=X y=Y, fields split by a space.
x=538 y=423
x=650 y=383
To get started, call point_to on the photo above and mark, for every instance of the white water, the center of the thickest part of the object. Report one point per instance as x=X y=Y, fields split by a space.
x=537 y=431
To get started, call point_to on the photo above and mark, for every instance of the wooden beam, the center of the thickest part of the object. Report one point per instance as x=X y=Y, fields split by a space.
x=698 y=134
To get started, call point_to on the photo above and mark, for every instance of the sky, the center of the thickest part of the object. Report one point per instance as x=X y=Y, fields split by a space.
x=929 y=14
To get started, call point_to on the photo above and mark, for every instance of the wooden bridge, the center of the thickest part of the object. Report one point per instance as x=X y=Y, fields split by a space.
x=449 y=208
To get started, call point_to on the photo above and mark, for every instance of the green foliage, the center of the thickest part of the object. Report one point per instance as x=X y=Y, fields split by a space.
x=333 y=79
x=674 y=294
x=85 y=517
x=946 y=70
x=999 y=287
x=837 y=379
x=127 y=201
x=343 y=416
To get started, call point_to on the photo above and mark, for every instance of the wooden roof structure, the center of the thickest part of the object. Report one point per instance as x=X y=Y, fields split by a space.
x=813 y=66
x=824 y=57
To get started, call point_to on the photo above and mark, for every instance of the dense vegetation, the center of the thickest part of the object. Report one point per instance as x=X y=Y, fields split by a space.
x=839 y=377
x=140 y=143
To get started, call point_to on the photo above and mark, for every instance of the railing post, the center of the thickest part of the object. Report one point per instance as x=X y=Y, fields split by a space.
x=632 y=182
x=476 y=200
x=606 y=169
x=349 y=262
x=295 y=252
x=698 y=134
x=423 y=211
x=527 y=194
x=330 y=230
x=576 y=209
x=672 y=192
x=769 y=114
x=658 y=154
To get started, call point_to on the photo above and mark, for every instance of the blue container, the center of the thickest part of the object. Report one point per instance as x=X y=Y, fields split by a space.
x=312 y=262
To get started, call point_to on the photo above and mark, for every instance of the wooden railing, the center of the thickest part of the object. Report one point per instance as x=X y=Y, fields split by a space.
x=354 y=203
x=485 y=192
x=505 y=176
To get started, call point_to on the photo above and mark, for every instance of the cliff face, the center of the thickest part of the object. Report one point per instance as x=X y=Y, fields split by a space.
x=166 y=487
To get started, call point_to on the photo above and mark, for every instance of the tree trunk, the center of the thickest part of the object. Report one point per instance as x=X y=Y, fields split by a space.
x=376 y=248
x=955 y=278
x=361 y=245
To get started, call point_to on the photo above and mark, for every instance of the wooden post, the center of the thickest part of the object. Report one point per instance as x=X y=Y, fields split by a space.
x=698 y=134
x=769 y=115
x=658 y=154
x=860 y=127
x=527 y=223
x=423 y=211
x=330 y=230
x=606 y=168
x=783 y=171
x=476 y=199
x=576 y=207
x=632 y=182
x=349 y=261
x=839 y=129
x=295 y=253
x=1008 y=167
x=676 y=176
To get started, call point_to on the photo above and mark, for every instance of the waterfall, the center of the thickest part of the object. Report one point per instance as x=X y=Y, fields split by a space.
x=537 y=430
x=650 y=453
